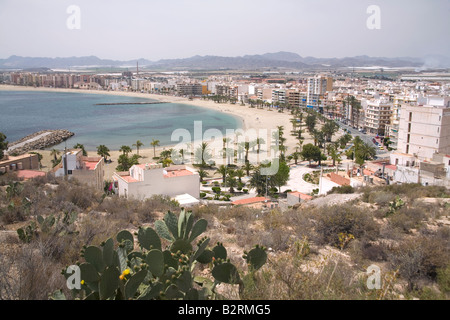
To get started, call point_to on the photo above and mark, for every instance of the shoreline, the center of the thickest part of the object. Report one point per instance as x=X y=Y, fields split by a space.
x=250 y=118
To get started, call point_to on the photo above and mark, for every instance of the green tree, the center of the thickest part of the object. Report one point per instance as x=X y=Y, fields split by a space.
x=138 y=144
x=125 y=150
x=80 y=146
x=240 y=173
x=154 y=144
x=203 y=155
x=247 y=167
x=125 y=162
x=258 y=181
x=203 y=174
x=280 y=178
x=334 y=153
x=103 y=151
x=222 y=170
x=310 y=122
x=311 y=152
x=55 y=153
x=3 y=145
x=231 y=181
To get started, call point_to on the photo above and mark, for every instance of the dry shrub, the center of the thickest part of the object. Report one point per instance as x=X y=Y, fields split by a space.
x=419 y=258
x=286 y=277
x=80 y=195
x=331 y=221
x=381 y=198
x=406 y=219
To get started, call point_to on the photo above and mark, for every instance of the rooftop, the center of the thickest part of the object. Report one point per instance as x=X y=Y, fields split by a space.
x=249 y=200
x=29 y=174
x=177 y=173
x=301 y=195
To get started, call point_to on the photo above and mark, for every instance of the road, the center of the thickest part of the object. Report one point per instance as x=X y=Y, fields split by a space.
x=365 y=137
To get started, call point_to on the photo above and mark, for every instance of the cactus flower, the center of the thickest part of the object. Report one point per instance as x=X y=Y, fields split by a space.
x=126 y=272
x=82 y=282
x=121 y=277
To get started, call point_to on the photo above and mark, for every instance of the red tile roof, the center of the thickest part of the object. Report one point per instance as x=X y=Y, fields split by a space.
x=249 y=200
x=90 y=165
x=178 y=173
x=128 y=179
x=301 y=195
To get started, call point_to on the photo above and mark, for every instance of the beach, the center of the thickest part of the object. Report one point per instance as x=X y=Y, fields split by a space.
x=253 y=119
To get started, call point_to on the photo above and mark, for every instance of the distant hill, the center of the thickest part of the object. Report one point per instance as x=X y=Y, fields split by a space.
x=268 y=60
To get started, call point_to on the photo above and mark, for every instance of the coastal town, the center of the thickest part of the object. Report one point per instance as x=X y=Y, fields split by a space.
x=402 y=124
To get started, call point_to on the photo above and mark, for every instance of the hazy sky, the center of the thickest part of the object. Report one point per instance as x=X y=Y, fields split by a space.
x=157 y=29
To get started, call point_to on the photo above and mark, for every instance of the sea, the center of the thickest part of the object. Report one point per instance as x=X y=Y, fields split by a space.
x=25 y=112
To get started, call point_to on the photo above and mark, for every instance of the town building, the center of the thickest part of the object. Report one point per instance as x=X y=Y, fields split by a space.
x=146 y=180
x=88 y=170
x=17 y=163
x=424 y=129
x=378 y=116
x=316 y=88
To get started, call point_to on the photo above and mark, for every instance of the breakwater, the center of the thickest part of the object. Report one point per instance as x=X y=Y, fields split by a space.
x=38 y=141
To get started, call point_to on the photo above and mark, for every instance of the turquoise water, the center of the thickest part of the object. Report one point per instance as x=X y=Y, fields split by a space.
x=25 y=112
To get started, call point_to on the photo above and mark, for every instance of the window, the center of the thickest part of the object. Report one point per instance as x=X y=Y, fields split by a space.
x=410 y=116
x=69 y=171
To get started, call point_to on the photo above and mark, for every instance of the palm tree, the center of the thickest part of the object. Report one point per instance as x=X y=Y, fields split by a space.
x=259 y=142
x=55 y=153
x=334 y=154
x=240 y=174
x=222 y=170
x=247 y=167
x=138 y=144
x=202 y=174
x=103 y=151
x=202 y=154
x=125 y=150
x=80 y=146
x=154 y=144
x=231 y=180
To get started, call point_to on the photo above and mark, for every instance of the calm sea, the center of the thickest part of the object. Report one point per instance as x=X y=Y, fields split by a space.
x=24 y=112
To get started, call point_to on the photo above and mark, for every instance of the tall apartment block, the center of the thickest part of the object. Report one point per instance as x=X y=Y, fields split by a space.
x=316 y=89
x=425 y=129
x=378 y=116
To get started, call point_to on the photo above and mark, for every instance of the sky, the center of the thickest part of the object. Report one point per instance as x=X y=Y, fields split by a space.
x=168 y=29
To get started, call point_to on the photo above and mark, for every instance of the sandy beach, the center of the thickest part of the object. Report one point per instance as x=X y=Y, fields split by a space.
x=259 y=120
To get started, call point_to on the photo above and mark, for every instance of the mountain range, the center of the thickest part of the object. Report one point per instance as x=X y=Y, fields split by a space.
x=281 y=59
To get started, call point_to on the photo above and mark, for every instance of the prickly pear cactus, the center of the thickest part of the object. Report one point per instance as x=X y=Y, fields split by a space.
x=138 y=267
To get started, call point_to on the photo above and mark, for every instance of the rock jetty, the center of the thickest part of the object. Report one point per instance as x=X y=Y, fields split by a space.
x=38 y=141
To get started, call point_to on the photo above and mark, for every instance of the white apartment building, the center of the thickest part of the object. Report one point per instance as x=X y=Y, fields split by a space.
x=425 y=129
x=378 y=116
x=145 y=180
x=398 y=102
x=279 y=96
x=316 y=88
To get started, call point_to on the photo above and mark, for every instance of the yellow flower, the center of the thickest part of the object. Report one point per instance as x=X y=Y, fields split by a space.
x=126 y=272
x=121 y=277
x=82 y=282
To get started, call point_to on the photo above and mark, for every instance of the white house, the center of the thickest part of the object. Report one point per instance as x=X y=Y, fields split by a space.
x=89 y=170
x=145 y=180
